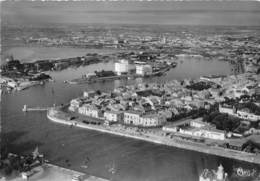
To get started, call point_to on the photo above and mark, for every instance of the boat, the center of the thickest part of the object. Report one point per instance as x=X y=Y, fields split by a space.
x=84 y=166
x=173 y=64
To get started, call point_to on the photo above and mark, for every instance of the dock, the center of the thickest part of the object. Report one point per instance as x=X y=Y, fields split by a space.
x=39 y=108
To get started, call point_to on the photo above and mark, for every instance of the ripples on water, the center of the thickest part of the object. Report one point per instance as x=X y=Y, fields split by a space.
x=70 y=147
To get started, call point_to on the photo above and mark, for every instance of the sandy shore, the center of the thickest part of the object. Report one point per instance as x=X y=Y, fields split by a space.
x=158 y=139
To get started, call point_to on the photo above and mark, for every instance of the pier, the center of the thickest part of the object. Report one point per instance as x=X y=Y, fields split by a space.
x=26 y=109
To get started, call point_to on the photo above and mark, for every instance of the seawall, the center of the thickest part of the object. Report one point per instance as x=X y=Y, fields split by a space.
x=199 y=147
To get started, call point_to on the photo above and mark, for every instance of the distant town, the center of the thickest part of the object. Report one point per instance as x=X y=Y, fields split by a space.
x=154 y=52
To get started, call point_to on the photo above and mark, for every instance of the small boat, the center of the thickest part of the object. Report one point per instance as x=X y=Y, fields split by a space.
x=84 y=166
x=174 y=64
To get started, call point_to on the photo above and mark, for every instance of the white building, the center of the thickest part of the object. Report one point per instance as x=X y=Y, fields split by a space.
x=144 y=69
x=152 y=120
x=121 y=66
x=12 y=84
x=170 y=128
x=113 y=116
x=144 y=120
x=204 y=133
x=198 y=123
x=132 y=117
x=75 y=104
x=90 y=110
x=239 y=113
x=89 y=93
x=247 y=115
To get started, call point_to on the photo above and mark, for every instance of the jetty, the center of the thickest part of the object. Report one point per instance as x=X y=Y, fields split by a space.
x=26 y=109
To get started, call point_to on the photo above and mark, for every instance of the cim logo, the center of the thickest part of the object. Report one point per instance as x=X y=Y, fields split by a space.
x=241 y=172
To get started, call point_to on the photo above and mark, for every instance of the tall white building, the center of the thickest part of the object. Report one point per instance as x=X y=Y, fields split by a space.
x=121 y=66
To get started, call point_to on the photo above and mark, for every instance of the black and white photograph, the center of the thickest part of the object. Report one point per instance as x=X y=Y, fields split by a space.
x=130 y=90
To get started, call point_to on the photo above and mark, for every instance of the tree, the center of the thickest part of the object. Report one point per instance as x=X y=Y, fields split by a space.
x=98 y=92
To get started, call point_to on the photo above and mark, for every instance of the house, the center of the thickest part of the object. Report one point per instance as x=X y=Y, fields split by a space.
x=90 y=110
x=137 y=118
x=89 y=94
x=247 y=115
x=236 y=145
x=170 y=128
x=75 y=104
x=242 y=113
x=113 y=116
x=198 y=123
x=132 y=117
x=226 y=109
x=12 y=84
x=152 y=120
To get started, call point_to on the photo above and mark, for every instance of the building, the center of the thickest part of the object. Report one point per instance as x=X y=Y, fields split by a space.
x=204 y=133
x=144 y=69
x=89 y=94
x=226 y=109
x=75 y=104
x=170 y=128
x=243 y=114
x=198 y=123
x=113 y=116
x=247 y=115
x=90 y=110
x=137 y=118
x=198 y=128
x=152 y=120
x=132 y=117
x=12 y=84
x=121 y=67
x=236 y=145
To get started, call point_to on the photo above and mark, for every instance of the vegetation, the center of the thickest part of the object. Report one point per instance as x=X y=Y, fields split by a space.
x=222 y=121
x=199 y=86
x=250 y=107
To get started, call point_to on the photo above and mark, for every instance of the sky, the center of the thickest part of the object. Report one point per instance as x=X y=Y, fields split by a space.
x=162 y=13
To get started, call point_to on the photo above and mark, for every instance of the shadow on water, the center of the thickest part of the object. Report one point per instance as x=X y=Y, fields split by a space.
x=10 y=144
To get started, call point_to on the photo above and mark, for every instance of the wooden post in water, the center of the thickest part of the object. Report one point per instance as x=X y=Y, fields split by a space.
x=25 y=108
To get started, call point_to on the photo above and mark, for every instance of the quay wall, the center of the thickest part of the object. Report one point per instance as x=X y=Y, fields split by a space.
x=200 y=147
x=74 y=172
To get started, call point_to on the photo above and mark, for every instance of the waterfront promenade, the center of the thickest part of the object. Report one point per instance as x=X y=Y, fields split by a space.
x=60 y=117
